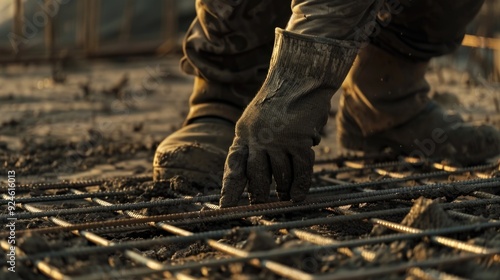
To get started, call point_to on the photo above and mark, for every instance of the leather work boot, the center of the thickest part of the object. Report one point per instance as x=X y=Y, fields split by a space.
x=385 y=104
x=197 y=152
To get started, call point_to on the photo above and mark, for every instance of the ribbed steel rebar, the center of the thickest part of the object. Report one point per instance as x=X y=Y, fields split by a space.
x=274 y=208
x=281 y=252
x=292 y=224
x=388 y=181
x=280 y=269
x=449 y=242
x=359 y=274
x=44 y=267
x=124 y=206
x=328 y=199
x=94 y=238
x=433 y=190
x=431 y=274
x=77 y=184
x=48 y=198
x=391 y=268
x=321 y=240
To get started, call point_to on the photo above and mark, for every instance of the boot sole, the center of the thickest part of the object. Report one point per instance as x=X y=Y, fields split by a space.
x=199 y=177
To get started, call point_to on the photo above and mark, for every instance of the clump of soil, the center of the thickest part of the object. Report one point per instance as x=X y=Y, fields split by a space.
x=428 y=214
x=256 y=241
x=425 y=214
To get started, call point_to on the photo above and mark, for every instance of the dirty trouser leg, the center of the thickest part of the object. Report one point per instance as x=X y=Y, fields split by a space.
x=421 y=30
x=386 y=85
x=229 y=45
x=228 y=48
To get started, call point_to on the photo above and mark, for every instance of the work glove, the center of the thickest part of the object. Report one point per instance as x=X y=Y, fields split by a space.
x=276 y=131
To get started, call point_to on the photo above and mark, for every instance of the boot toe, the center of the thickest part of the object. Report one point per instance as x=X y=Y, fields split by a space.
x=196 y=152
x=474 y=144
x=432 y=134
x=199 y=164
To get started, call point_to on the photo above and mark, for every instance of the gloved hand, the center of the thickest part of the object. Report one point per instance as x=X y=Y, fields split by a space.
x=275 y=134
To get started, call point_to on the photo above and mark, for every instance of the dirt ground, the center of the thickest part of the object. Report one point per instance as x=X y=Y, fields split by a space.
x=105 y=118
x=425 y=214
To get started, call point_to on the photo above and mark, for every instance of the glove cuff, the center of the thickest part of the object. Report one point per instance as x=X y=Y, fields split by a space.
x=320 y=60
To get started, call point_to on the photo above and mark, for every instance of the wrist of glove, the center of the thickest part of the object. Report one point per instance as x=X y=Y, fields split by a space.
x=276 y=131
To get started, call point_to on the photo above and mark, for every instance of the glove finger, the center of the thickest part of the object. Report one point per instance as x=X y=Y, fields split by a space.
x=281 y=164
x=234 y=180
x=259 y=176
x=303 y=161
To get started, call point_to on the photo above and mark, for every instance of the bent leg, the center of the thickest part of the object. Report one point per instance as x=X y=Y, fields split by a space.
x=386 y=103
x=386 y=85
x=228 y=48
x=421 y=30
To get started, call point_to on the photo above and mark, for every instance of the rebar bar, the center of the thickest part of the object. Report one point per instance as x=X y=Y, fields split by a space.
x=439 y=189
x=399 y=182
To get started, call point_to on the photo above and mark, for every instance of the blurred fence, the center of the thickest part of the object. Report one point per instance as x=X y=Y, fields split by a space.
x=481 y=57
x=55 y=29
x=58 y=29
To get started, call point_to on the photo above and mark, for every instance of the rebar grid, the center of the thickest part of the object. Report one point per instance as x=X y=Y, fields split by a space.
x=349 y=185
